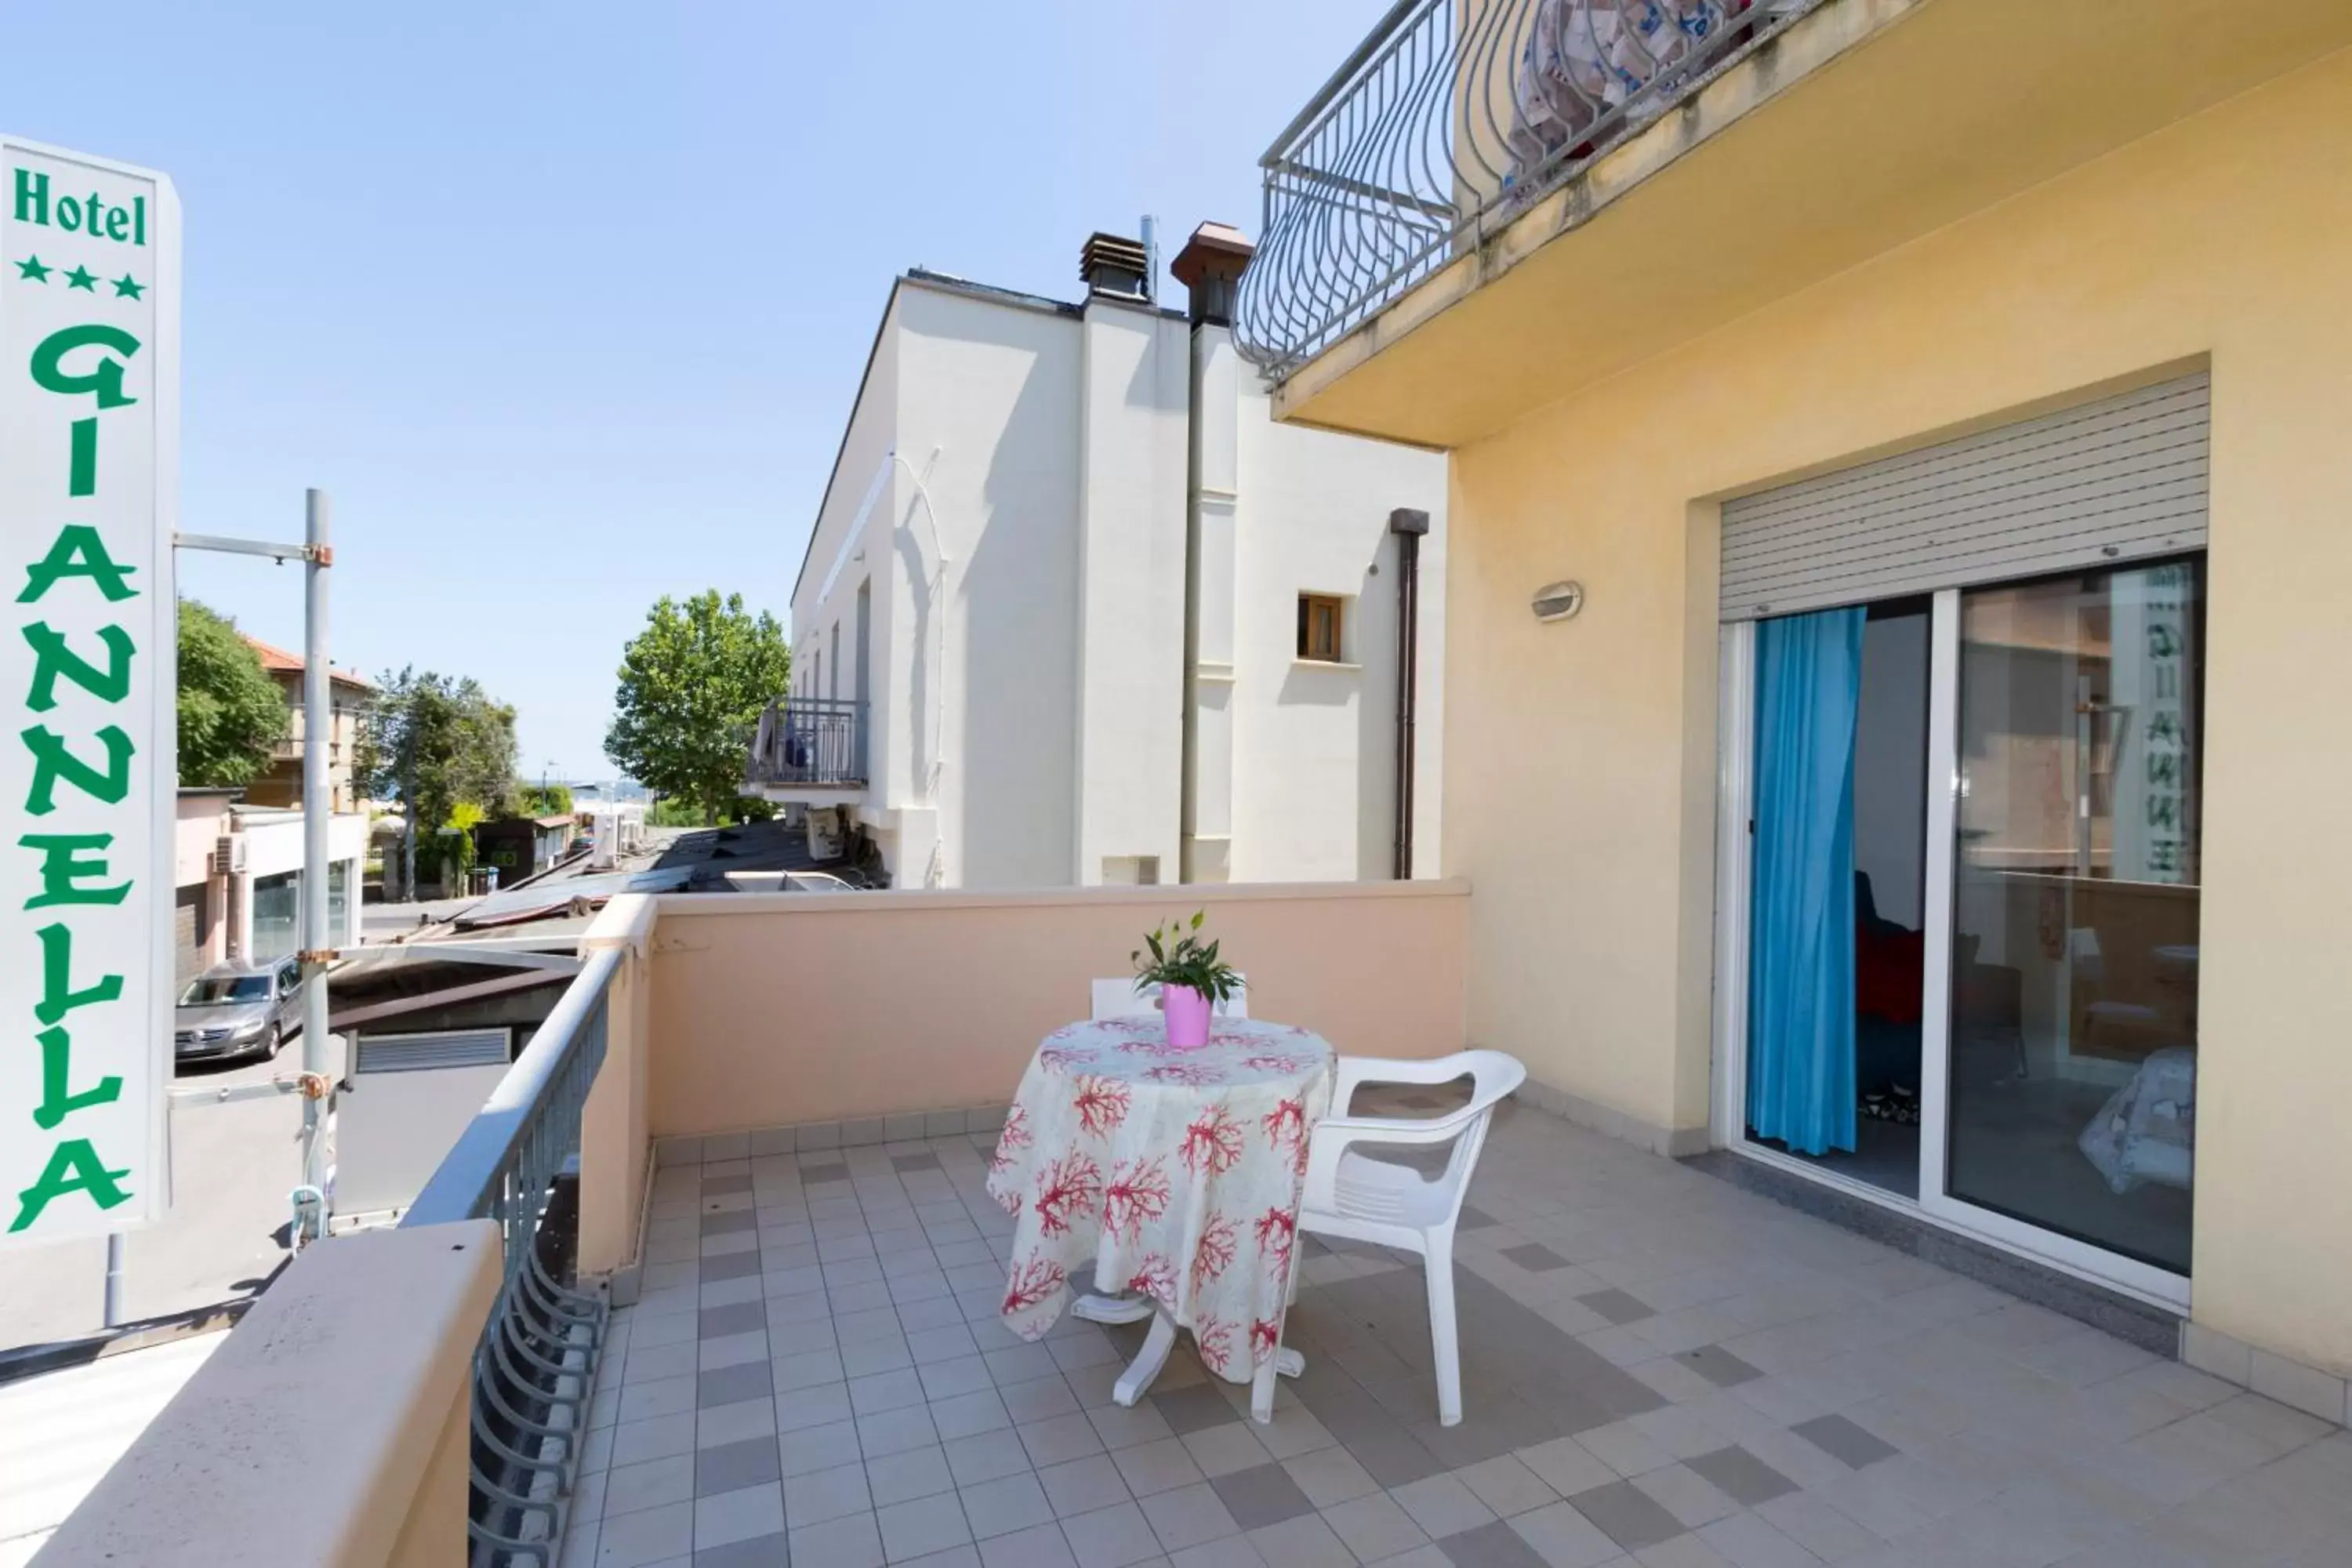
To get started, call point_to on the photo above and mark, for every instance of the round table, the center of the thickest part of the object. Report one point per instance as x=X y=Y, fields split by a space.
x=1174 y=1174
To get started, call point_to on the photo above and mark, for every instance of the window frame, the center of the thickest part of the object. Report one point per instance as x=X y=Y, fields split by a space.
x=1308 y=644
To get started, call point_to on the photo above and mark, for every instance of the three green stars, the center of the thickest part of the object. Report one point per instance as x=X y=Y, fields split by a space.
x=32 y=270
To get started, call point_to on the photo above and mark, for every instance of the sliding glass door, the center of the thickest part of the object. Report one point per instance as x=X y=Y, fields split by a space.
x=2072 y=1042
x=2027 y=1005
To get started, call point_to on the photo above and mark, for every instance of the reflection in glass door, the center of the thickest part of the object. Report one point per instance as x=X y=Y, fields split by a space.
x=2071 y=1055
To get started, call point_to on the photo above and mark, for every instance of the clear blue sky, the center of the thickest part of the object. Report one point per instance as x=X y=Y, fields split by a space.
x=565 y=304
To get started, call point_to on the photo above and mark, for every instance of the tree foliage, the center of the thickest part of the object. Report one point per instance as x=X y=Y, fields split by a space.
x=437 y=743
x=691 y=687
x=231 y=713
x=544 y=800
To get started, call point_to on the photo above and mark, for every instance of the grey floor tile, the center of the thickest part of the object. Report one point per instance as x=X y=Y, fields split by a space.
x=740 y=1318
x=1110 y=1537
x=983 y=1457
x=1191 y=1409
x=1161 y=1467
x=1473 y=1218
x=1443 y=1505
x=854 y=1541
x=1006 y=1504
x=1495 y=1545
x=1060 y=1438
x=747 y=1514
x=1374 y=1526
x=1844 y=1440
x=760 y=1551
x=820 y=1495
x=733 y=1384
x=1627 y=1515
x=648 y=1536
x=734 y=1182
x=1718 y=1366
x=1535 y=1258
x=1040 y=1547
x=732 y=1466
x=1302 y=1542
x=1617 y=1306
x=729 y=1222
x=916 y=1473
x=895 y=1431
x=1261 y=1495
x=1188 y=1516
x=1745 y=1479
x=921 y=1527
x=730 y=1266
x=628 y=1488
x=903 y=1164
x=1560 y=1537
x=1081 y=1485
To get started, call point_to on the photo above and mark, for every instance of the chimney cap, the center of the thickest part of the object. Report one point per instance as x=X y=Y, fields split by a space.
x=1215 y=250
x=1114 y=264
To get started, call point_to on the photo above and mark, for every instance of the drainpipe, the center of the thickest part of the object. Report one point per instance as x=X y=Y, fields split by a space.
x=1408 y=524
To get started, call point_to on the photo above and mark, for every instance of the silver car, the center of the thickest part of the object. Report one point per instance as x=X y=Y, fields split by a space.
x=238 y=1010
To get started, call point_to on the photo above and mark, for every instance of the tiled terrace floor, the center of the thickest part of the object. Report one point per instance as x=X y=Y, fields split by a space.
x=1659 y=1369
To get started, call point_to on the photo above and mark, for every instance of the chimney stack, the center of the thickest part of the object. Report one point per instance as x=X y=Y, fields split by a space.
x=1211 y=266
x=1117 y=267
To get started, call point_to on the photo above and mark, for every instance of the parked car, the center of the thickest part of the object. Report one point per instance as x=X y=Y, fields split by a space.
x=238 y=1010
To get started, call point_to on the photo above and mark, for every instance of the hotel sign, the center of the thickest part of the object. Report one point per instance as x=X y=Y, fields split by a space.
x=88 y=453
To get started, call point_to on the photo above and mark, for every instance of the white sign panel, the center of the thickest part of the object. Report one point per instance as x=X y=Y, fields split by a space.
x=88 y=470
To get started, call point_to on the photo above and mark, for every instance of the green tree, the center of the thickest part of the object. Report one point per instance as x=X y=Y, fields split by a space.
x=692 y=686
x=438 y=743
x=544 y=800
x=231 y=712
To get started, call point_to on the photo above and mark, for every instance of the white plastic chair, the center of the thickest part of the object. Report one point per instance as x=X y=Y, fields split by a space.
x=1120 y=999
x=1347 y=1195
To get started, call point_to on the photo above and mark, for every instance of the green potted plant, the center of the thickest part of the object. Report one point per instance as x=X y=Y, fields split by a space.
x=1190 y=977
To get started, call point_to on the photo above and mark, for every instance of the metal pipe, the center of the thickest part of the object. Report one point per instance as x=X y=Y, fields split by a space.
x=1408 y=524
x=317 y=677
x=113 y=1318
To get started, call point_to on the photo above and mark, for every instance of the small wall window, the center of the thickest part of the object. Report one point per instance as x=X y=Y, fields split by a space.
x=1130 y=870
x=1322 y=624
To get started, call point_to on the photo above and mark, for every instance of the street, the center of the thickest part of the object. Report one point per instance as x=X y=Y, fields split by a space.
x=232 y=1168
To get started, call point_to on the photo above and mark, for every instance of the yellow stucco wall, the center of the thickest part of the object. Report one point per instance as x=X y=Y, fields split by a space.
x=1580 y=757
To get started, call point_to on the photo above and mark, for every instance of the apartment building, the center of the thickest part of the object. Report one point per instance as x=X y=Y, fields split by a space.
x=1076 y=610
x=1940 y=403
x=350 y=695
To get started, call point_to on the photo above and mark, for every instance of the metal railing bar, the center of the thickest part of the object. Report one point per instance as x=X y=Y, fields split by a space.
x=481 y=1161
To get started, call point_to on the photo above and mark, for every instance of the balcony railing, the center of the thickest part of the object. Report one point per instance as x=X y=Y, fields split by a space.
x=809 y=741
x=1449 y=120
x=535 y=1368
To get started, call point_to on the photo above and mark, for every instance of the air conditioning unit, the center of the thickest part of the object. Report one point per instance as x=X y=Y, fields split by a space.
x=228 y=855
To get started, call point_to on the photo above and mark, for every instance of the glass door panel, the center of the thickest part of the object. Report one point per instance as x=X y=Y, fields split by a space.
x=2071 y=1094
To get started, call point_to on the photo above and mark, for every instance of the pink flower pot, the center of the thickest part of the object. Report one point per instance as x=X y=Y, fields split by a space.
x=1187 y=1013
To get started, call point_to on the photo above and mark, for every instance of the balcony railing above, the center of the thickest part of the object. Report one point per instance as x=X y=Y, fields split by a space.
x=811 y=741
x=1453 y=118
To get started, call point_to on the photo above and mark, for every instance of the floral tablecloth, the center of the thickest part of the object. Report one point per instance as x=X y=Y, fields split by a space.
x=1171 y=1172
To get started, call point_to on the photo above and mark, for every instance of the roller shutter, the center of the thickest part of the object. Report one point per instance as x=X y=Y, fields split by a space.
x=2120 y=478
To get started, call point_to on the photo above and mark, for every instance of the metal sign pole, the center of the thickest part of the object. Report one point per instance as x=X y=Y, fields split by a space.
x=317 y=557
x=317 y=952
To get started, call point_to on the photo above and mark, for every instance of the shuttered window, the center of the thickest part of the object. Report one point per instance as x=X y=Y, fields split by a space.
x=2118 y=480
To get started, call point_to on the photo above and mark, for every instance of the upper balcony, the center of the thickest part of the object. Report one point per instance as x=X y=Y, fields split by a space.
x=1494 y=203
x=811 y=750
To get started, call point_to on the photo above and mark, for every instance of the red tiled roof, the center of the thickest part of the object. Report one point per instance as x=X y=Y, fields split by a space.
x=278 y=661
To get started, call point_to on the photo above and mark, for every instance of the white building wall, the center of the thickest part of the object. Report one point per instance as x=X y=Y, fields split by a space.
x=1134 y=392
x=852 y=530
x=1315 y=745
x=1029 y=697
x=989 y=412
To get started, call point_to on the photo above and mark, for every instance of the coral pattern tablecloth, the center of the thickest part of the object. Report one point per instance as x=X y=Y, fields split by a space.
x=1174 y=1173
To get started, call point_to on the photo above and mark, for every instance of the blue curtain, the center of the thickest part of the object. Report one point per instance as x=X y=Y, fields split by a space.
x=1800 y=996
